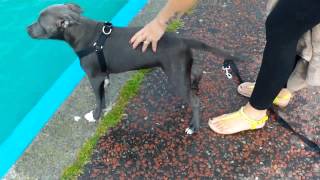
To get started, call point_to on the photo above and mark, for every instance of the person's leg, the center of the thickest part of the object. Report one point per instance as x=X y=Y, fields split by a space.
x=284 y=96
x=284 y=26
x=282 y=99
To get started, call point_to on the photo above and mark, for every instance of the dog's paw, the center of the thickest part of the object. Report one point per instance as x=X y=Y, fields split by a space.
x=106 y=83
x=189 y=131
x=107 y=109
x=76 y=118
x=89 y=117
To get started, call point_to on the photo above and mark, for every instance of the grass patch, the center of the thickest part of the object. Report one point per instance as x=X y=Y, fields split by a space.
x=174 y=25
x=128 y=91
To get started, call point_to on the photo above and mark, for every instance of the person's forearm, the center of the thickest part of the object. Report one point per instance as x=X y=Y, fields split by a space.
x=173 y=8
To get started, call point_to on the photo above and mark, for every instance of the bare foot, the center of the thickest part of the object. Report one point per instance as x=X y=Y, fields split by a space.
x=247 y=118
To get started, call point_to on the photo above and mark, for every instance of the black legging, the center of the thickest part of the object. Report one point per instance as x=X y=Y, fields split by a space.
x=285 y=25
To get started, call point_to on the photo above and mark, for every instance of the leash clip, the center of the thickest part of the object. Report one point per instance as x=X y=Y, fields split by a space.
x=227 y=69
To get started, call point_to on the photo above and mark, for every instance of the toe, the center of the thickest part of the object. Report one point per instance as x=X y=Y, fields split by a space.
x=216 y=119
x=214 y=128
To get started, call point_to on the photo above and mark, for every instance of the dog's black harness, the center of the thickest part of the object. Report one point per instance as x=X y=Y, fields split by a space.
x=97 y=47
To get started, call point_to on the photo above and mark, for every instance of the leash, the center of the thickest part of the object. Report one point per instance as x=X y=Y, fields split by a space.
x=97 y=47
x=230 y=68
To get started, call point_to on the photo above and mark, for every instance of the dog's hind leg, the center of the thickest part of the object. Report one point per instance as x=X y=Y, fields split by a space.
x=97 y=84
x=180 y=77
x=196 y=75
x=195 y=121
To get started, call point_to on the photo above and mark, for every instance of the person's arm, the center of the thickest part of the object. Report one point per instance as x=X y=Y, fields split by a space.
x=154 y=30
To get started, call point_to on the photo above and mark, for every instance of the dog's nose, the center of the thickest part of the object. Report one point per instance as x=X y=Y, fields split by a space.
x=29 y=30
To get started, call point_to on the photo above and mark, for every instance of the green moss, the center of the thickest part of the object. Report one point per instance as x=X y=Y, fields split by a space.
x=128 y=91
x=175 y=25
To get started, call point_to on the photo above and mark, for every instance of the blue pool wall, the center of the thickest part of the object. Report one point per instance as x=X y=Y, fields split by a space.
x=14 y=146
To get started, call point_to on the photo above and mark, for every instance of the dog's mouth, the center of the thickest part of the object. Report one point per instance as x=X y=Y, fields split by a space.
x=37 y=31
x=30 y=32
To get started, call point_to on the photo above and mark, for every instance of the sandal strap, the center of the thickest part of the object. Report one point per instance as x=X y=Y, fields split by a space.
x=253 y=123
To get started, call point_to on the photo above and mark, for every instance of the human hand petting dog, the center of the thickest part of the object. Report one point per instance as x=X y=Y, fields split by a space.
x=151 y=33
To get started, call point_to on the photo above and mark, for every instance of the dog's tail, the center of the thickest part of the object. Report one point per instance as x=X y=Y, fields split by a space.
x=195 y=44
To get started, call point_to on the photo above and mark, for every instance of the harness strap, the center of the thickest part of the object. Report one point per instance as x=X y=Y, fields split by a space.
x=98 y=47
x=228 y=65
x=85 y=52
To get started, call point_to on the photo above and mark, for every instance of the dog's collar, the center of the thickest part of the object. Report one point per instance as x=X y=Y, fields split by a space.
x=98 y=45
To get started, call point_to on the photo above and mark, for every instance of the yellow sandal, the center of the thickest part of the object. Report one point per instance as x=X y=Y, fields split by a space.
x=254 y=124
x=246 y=90
x=282 y=101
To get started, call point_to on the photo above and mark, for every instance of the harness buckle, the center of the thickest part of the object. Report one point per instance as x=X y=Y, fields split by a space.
x=97 y=48
x=227 y=71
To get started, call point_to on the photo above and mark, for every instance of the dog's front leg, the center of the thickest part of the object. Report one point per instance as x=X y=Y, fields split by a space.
x=106 y=85
x=97 y=84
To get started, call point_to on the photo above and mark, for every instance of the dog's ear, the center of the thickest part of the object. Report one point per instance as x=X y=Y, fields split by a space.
x=74 y=7
x=68 y=19
x=62 y=23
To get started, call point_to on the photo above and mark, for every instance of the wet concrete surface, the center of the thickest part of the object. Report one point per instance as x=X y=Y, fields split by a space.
x=150 y=142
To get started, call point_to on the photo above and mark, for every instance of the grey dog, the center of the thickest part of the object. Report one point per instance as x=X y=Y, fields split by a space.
x=174 y=55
